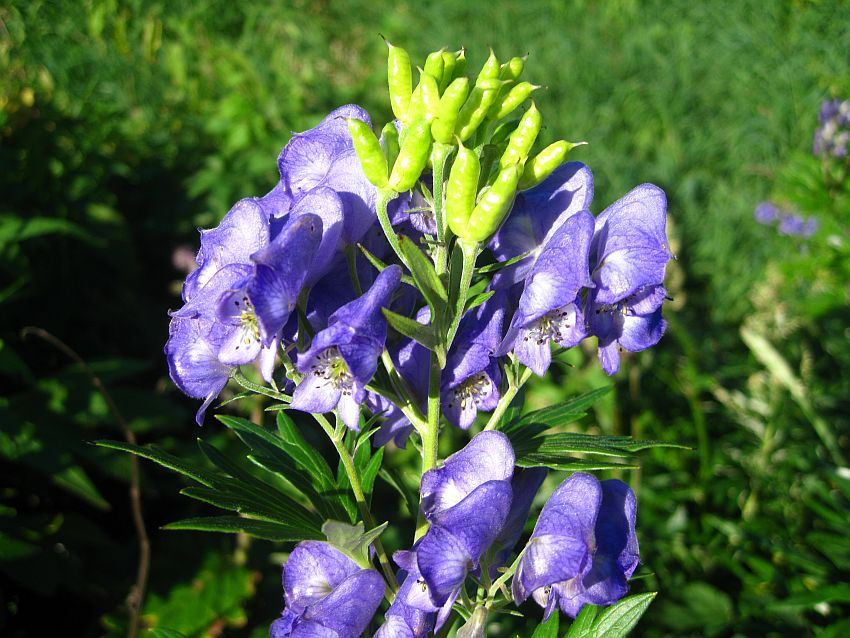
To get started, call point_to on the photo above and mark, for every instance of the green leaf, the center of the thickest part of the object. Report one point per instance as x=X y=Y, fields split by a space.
x=370 y=472
x=289 y=442
x=15 y=229
x=582 y=626
x=478 y=299
x=548 y=629
x=496 y=266
x=351 y=539
x=425 y=276
x=617 y=621
x=238 y=499
x=411 y=500
x=163 y=458
x=426 y=335
x=559 y=414
x=380 y=266
x=163 y=632
x=570 y=464
x=574 y=442
x=234 y=524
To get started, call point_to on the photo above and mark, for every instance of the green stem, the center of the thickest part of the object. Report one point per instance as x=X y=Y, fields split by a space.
x=431 y=434
x=384 y=198
x=439 y=155
x=470 y=252
x=507 y=397
x=357 y=487
x=410 y=407
x=501 y=580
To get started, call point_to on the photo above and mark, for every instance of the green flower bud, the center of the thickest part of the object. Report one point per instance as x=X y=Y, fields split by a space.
x=435 y=66
x=493 y=206
x=523 y=138
x=516 y=96
x=449 y=62
x=448 y=109
x=389 y=140
x=488 y=156
x=546 y=161
x=412 y=156
x=490 y=70
x=399 y=80
x=512 y=69
x=460 y=64
x=461 y=189
x=474 y=111
x=368 y=151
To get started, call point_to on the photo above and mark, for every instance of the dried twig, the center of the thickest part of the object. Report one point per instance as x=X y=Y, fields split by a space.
x=137 y=592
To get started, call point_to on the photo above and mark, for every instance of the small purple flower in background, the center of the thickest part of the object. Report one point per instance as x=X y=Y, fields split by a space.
x=832 y=136
x=628 y=258
x=343 y=357
x=583 y=549
x=550 y=308
x=789 y=223
x=467 y=502
x=767 y=213
x=327 y=594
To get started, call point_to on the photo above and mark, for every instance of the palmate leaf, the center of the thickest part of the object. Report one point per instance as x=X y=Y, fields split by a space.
x=535 y=446
x=233 y=488
x=555 y=415
x=287 y=454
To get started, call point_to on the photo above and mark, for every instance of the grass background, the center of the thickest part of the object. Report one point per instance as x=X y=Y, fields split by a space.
x=125 y=125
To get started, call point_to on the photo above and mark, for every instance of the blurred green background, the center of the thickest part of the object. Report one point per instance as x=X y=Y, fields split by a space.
x=124 y=125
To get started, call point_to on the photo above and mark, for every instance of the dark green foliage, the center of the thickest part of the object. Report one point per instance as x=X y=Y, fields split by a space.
x=126 y=124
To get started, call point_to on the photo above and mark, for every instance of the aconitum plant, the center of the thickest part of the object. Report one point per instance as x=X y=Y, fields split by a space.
x=399 y=284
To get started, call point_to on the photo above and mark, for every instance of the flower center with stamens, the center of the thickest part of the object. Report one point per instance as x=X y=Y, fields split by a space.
x=553 y=325
x=475 y=388
x=330 y=369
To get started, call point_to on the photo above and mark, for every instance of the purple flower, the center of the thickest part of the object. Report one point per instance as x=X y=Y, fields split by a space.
x=242 y=232
x=470 y=381
x=767 y=213
x=524 y=486
x=792 y=224
x=467 y=502
x=327 y=594
x=583 y=549
x=832 y=136
x=344 y=356
x=633 y=324
x=628 y=258
x=550 y=308
x=324 y=156
x=193 y=364
x=537 y=214
x=403 y=620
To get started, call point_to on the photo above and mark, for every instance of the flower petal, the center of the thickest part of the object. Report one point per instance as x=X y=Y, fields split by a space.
x=348 y=609
x=487 y=457
x=313 y=571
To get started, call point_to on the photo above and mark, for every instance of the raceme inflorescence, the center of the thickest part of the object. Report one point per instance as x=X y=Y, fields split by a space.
x=411 y=280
